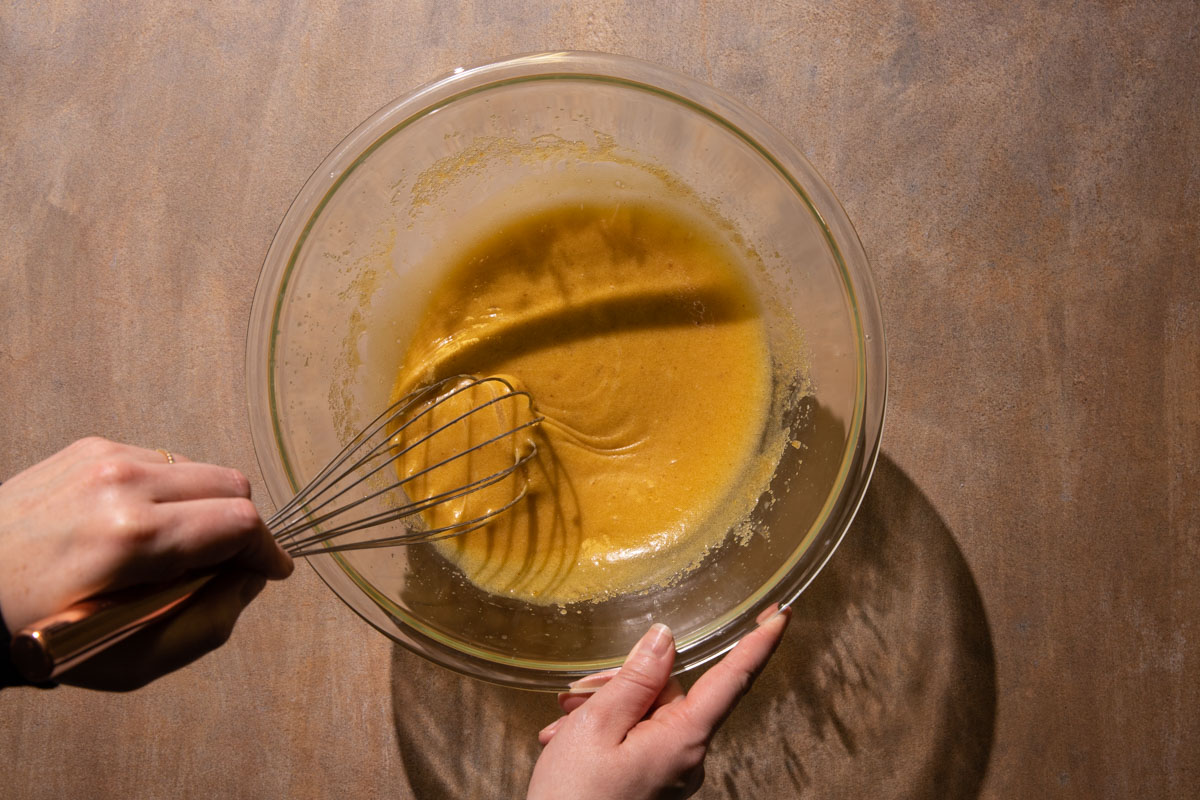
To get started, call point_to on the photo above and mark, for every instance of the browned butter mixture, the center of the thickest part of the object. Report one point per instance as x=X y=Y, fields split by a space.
x=637 y=333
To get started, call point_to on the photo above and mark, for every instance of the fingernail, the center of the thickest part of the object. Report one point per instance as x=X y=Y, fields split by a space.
x=590 y=683
x=780 y=617
x=655 y=643
x=551 y=728
x=767 y=613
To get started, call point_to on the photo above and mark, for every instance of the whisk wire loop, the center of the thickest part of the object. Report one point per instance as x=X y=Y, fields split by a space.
x=294 y=528
x=314 y=487
x=323 y=499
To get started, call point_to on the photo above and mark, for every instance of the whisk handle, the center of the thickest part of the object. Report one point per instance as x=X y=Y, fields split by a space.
x=49 y=647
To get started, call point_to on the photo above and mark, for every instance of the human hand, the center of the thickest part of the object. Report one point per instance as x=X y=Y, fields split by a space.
x=100 y=516
x=639 y=736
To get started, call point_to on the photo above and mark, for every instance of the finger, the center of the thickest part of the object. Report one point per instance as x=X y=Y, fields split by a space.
x=719 y=689
x=146 y=454
x=159 y=456
x=588 y=684
x=547 y=733
x=168 y=483
x=178 y=477
x=204 y=533
x=623 y=701
x=203 y=623
x=569 y=702
x=671 y=694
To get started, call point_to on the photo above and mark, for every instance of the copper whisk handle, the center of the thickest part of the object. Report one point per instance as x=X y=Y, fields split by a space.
x=44 y=650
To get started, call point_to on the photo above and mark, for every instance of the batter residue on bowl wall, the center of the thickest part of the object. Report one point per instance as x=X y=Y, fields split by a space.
x=637 y=333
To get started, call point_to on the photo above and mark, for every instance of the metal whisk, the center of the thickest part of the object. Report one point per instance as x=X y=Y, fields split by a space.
x=374 y=452
x=359 y=489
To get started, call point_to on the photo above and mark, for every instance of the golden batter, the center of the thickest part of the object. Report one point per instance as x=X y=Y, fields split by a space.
x=637 y=334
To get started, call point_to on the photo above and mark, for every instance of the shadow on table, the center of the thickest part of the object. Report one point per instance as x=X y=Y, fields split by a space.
x=884 y=685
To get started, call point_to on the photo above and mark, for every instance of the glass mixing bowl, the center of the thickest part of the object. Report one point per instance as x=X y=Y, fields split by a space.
x=344 y=279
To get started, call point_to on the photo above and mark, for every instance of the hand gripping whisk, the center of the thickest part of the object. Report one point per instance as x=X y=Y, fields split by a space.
x=441 y=461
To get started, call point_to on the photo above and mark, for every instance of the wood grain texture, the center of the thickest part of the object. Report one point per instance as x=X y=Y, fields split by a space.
x=1026 y=181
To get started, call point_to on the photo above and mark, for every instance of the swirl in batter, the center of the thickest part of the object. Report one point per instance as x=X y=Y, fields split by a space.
x=637 y=332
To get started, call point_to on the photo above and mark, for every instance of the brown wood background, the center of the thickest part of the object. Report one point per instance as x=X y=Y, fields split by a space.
x=1015 y=613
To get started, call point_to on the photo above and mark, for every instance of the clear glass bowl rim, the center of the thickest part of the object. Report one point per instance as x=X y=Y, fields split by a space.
x=870 y=407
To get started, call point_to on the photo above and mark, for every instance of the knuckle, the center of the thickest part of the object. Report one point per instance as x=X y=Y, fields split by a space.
x=739 y=683
x=241 y=484
x=129 y=525
x=243 y=516
x=743 y=680
x=115 y=472
x=92 y=444
x=636 y=677
x=700 y=726
x=692 y=755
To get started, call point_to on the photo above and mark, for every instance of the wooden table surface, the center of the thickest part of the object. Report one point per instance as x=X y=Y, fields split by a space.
x=1014 y=614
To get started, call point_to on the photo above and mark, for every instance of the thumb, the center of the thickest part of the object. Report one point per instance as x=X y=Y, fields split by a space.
x=621 y=703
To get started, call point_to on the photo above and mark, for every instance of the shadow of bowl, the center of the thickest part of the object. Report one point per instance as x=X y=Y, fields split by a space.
x=885 y=684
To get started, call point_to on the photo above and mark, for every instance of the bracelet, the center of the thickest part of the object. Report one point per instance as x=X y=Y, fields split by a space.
x=8 y=673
